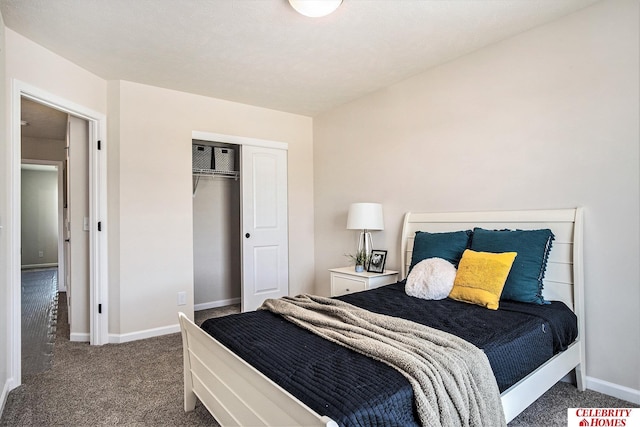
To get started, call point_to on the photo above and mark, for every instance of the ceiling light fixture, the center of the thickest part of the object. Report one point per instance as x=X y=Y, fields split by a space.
x=315 y=8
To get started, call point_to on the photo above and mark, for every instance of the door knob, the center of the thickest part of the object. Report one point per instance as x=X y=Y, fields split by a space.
x=247 y=235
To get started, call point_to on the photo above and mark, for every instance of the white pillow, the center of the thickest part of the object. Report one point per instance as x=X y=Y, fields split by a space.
x=431 y=278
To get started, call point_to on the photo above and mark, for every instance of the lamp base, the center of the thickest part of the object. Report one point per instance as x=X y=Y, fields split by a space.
x=364 y=243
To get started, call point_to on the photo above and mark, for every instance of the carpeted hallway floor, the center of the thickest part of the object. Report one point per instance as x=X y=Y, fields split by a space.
x=140 y=383
x=39 y=300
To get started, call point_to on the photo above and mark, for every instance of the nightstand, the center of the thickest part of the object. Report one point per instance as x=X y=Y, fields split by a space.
x=345 y=280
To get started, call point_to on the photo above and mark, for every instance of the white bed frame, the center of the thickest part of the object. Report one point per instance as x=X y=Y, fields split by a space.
x=237 y=394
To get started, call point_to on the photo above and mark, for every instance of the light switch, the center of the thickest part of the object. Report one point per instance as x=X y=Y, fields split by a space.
x=85 y=223
x=182 y=298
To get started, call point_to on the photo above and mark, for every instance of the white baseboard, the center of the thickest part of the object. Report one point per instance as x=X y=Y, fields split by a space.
x=614 y=390
x=155 y=332
x=4 y=395
x=140 y=335
x=215 y=304
x=79 y=337
x=9 y=384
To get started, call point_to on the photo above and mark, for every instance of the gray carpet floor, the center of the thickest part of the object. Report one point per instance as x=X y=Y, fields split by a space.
x=39 y=299
x=140 y=384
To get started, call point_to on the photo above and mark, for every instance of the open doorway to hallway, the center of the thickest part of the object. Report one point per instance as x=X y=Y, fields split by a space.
x=91 y=127
x=50 y=194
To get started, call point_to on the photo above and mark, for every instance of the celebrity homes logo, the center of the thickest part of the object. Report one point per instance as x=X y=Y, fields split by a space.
x=603 y=417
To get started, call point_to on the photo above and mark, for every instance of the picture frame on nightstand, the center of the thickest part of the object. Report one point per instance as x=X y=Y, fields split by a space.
x=377 y=261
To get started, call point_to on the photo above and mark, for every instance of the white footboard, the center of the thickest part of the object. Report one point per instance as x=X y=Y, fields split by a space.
x=526 y=391
x=233 y=391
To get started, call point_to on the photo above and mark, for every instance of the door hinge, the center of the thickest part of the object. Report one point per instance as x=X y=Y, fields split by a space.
x=99 y=145
x=99 y=225
x=99 y=308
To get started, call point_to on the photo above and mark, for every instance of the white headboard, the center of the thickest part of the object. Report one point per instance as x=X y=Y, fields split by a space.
x=564 y=278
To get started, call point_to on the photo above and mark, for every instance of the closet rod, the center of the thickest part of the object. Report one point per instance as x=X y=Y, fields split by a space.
x=212 y=174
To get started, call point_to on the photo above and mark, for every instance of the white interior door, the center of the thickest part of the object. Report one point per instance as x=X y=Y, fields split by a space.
x=265 y=252
x=78 y=288
x=67 y=229
x=61 y=233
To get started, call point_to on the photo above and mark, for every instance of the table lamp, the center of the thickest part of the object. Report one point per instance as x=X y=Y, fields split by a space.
x=365 y=217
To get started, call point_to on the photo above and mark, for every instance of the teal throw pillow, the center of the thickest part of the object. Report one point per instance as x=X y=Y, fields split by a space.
x=449 y=246
x=524 y=282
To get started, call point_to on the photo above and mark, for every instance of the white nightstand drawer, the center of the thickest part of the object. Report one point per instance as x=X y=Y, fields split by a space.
x=345 y=280
x=345 y=285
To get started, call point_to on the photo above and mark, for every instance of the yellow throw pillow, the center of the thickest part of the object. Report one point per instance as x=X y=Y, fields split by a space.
x=481 y=277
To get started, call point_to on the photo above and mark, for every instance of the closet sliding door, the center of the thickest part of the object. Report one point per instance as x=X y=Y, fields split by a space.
x=265 y=253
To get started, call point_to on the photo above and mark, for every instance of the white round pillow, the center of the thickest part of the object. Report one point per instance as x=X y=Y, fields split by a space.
x=431 y=278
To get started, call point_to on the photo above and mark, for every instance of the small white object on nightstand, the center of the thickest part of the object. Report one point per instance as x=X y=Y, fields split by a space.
x=345 y=280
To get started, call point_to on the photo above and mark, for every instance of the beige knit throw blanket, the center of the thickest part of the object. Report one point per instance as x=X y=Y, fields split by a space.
x=451 y=378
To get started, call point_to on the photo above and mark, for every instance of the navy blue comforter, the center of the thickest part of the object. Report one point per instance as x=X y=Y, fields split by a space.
x=355 y=390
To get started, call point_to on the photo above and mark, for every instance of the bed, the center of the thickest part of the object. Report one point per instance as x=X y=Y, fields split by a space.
x=237 y=393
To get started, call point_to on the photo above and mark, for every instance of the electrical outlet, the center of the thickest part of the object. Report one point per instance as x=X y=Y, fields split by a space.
x=182 y=298
x=40 y=254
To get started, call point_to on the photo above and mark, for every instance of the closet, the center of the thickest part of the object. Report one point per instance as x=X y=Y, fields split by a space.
x=240 y=223
x=216 y=224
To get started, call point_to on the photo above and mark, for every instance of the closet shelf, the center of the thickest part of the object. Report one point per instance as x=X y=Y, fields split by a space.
x=213 y=172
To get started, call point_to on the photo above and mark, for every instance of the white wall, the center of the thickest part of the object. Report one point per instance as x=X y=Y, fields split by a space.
x=39 y=217
x=4 y=241
x=32 y=64
x=155 y=194
x=547 y=119
x=113 y=206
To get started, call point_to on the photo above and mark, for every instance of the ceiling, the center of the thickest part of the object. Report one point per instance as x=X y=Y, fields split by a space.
x=42 y=122
x=263 y=53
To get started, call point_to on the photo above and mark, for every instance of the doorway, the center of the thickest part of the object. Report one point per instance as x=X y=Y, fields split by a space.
x=98 y=279
x=54 y=213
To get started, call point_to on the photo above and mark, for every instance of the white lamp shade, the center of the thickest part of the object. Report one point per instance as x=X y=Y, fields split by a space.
x=365 y=216
x=315 y=8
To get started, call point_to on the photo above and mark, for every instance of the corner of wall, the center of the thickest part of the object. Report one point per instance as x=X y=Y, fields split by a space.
x=4 y=183
x=113 y=195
